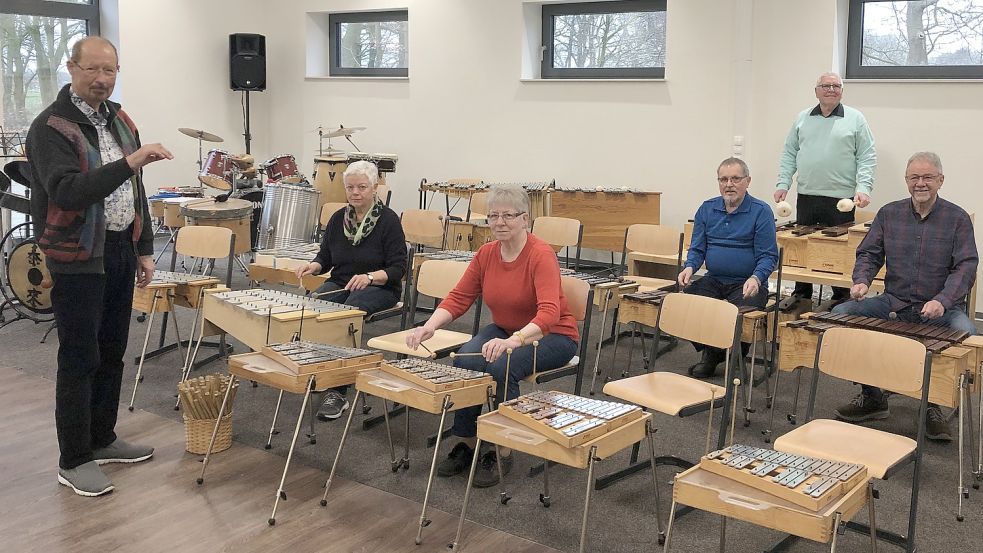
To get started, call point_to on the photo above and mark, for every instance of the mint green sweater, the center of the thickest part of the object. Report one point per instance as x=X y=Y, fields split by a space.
x=834 y=156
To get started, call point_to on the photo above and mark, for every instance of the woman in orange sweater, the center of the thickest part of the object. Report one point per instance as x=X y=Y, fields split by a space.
x=518 y=278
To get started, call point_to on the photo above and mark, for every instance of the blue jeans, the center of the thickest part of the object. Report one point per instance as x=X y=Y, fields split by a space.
x=554 y=352
x=880 y=307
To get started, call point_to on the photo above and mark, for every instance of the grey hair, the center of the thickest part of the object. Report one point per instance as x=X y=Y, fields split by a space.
x=511 y=195
x=930 y=157
x=819 y=79
x=364 y=168
x=735 y=161
x=77 y=47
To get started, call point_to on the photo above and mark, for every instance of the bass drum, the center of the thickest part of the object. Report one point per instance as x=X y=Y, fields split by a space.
x=27 y=282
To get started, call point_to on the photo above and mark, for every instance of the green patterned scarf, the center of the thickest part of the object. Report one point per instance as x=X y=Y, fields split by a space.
x=355 y=231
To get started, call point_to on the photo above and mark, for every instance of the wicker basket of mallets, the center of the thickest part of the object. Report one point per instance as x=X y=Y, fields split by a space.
x=201 y=399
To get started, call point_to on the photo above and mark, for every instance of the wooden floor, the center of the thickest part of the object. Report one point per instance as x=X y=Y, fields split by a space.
x=157 y=506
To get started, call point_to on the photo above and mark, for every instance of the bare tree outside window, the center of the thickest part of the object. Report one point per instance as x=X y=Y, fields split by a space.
x=916 y=38
x=621 y=39
x=369 y=43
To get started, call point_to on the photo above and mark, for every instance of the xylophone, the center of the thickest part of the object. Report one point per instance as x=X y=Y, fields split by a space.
x=934 y=337
x=567 y=419
x=174 y=288
x=808 y=482
x=259 y=317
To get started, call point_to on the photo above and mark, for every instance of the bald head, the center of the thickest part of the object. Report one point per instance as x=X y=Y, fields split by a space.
x=88 y=44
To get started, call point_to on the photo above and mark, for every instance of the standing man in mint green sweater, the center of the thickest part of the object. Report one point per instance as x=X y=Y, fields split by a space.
x=831 y=149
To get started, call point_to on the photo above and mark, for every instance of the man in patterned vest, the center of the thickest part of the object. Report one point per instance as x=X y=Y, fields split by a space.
x=91 y=220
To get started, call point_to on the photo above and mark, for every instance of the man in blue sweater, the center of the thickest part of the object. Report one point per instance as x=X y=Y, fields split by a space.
x=831 y=149
x=734 y=234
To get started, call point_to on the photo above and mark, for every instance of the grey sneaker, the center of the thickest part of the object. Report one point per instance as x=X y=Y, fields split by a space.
x=87 y=479
x=333 y=406
x=863 y=408
x=122 y=452
x=936 y=425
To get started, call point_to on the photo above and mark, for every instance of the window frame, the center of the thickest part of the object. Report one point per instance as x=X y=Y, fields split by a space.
x=854 y=51
x=51 y=8
x=334 y=50
x=547 y=51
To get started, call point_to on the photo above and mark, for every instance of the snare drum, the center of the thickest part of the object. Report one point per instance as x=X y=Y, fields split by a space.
x=289 y=215
x=283 y=166
x=173 y=219
x=232 y=214
x=217 y=170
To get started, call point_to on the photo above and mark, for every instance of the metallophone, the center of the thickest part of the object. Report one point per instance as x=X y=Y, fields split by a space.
x=956 y=370
x=539 y=193
x=278 y=266
x=164 y=291
x=802 y=496
x=420 y=384
x=562 y=428
x=298 y=367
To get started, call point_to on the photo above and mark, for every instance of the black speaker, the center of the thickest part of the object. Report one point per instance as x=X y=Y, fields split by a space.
x=247 y=61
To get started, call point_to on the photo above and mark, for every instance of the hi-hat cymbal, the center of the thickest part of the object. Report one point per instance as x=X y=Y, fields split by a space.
x=342 y=131
x=329 y=152
x=203 y=135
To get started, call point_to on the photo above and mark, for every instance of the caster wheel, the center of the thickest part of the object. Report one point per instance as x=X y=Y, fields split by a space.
x=141 y=318
x=747 y=424
x=313 y=441
x=176 y=408
x=268 y=446
x=960 y=518
x=418 y=541
x=324 y=502
x=591 y=392
x=768 y=404
x=767 y=440
x=966 y=494
x=271 y=522
x=662 y=539
x=976 y=486
x=366 y=409
x=141 y=379
x=283 y=495
x=395 y=469
x=426 y=522
x=200 y=481
x=505 y=500
x=130 y=408
x=406 y=465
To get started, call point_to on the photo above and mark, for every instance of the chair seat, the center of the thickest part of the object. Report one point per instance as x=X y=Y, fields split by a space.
x=664 y=392
x=573 y=362
x=848 y=443
x=442 y=341
x=647 y=284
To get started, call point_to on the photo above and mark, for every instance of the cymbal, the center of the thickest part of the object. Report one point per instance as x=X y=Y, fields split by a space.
x=204 y=135
x=329 y=152
x=343 y=131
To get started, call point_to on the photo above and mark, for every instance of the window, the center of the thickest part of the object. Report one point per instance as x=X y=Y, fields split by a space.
x=607 y=40
x=923 y=39
x=374 y=44
x=36 y=39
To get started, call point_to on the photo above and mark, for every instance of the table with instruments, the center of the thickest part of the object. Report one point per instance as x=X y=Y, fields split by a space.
x=539 y=198
x=803 y=496
x=563 y=428
x=298 y=367
x=421 y=384
x=279 y=266
x=607 y=213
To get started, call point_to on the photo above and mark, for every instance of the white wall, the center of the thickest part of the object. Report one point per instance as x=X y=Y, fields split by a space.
x=735 y=67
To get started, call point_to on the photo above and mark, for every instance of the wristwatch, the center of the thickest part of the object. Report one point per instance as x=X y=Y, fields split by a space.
x=371 y=278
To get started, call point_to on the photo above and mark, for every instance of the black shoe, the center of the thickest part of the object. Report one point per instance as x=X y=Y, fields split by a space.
x=936 y=425
x=864 y=407
x=333 y=406
x=486 y=474
x=708 y=367
x=457 y=461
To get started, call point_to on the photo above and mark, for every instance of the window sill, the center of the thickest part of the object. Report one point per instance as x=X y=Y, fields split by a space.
x=353 y=78
x=920 y=81
x=587 y=80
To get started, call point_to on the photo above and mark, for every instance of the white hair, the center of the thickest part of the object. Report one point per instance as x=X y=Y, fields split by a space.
x=930 y=157
x=511 y=195
x=820 y=78
x=364 y=168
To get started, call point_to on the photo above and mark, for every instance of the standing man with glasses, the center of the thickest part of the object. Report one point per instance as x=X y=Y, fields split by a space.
x=91 y=220
x=734 y=234
x=831 y=149
x=929 y=248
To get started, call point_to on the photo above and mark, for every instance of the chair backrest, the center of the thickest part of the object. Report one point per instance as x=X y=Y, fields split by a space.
x=204 y=241
x=557 y=231
x=699 y=319
x=437 y=277
x=329 y=209
x=478 y=206
x=874 y=358
x=383 y=192
x=423 y=227
x=576 y=291
x=657 y=239
x=862 y=216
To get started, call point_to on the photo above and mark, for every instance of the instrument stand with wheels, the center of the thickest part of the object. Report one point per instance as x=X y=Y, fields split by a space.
x=389 y=383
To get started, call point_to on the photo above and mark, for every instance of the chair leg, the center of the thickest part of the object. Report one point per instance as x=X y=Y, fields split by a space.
x=871 y=514
x=276 y=412
x=793 y=416
x=467 y=497
x=771 y=416
x=591 y=461
x=750 y=387
x=337 y=455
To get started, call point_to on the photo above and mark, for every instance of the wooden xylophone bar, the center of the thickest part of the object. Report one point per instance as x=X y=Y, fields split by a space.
x=935 y=338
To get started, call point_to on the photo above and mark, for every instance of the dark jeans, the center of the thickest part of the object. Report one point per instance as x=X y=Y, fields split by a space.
x=880 y=307
x=93 y=316
x=555 y=350
x=733 y=293
x=820 y=210
x=371 y=300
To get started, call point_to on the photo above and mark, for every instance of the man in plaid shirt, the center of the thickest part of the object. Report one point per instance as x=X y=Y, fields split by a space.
x=929 y=248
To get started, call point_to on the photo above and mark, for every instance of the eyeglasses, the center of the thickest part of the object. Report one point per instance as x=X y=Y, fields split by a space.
x=927 y=179
x=507 y=217
x=93 y=71
x=829 y=87
x=361 y=188
x=732 y=180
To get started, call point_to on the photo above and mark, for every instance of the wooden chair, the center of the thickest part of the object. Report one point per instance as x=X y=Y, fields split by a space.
x=643 y=240
x=423 y=227
x=863 y=216
x=327 y=210
x=560 y=232
x=580 y=298
x=383 y=192
x=894 y=363
x=698 y=319
x=478 y=207
x=435 y=278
